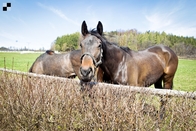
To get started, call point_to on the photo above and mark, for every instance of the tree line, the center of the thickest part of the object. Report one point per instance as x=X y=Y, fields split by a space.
x=66 y=42
x=183 y=46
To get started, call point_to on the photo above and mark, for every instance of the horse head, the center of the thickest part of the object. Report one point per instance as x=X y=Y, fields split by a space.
x=91 y=47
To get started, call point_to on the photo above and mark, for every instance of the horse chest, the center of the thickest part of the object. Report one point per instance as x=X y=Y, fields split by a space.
x=117 y=72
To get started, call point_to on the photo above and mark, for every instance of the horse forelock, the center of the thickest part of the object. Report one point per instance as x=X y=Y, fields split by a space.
x=96 y=34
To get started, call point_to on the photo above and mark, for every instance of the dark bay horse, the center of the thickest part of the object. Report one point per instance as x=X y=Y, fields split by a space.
x=153 y=65
x=63 y=65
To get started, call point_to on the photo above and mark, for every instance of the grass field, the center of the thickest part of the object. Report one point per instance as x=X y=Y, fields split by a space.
x=185 y=78
x=17 y=61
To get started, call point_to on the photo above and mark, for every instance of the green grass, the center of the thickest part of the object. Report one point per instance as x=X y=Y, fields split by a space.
x=17 y=61
x=185 y=78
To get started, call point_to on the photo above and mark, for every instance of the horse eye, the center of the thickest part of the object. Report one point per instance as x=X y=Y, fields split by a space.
x=81 y=45
x=99 y=46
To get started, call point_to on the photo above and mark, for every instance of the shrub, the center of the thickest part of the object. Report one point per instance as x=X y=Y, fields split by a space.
x=49 y=103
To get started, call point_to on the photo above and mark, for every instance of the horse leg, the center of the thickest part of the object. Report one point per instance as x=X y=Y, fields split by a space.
x=158 y=84
x=168 y=81
x=99 y=75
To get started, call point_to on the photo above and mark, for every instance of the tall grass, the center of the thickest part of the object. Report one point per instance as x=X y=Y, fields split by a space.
x=46 y=104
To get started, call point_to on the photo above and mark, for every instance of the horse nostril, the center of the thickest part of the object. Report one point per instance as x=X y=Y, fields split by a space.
x=85 y=72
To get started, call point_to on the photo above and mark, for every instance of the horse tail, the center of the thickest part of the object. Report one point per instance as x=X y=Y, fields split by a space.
x=170 y=68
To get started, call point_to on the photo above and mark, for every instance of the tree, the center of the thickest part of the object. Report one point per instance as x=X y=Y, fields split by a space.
x=67 y=42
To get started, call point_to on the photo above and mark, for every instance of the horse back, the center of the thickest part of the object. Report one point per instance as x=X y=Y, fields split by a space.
x=149 y=65
x=166 y=56
x=50 y=63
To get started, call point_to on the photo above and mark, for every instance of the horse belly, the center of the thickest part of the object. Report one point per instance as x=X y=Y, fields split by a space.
x=151 y=80
x=149 y=70
x=60 y=71
x=151 y=76
x=67 y=67
x=60 y=66
x=68 y=71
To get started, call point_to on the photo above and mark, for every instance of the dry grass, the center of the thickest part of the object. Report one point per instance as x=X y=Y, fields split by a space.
x=34 y=103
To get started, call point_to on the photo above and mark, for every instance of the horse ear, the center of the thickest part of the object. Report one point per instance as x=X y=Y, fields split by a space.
x=100 y=28
x=84 y=29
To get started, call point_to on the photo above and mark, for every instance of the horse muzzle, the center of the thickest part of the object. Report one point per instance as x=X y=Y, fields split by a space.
x=86 y=74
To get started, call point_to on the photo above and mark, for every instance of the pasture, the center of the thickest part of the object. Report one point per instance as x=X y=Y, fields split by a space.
x=17 y=61
x=185 y=78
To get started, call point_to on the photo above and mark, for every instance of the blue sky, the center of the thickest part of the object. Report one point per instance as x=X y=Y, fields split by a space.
x=37 y=23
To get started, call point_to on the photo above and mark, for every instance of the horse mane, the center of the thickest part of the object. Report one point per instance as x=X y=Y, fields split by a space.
x=50 y=52
x=104 y=40
x=126 y=49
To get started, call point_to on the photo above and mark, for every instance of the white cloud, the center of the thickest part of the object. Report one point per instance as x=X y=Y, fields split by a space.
x=182 y=30
x=170 y=21
x=59 y=13
x=158 y=21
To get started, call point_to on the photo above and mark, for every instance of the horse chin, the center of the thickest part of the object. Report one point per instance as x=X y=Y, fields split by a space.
x=87 y=78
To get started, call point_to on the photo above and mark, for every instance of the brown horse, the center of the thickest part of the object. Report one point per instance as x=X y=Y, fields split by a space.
x=60 y=65
x=63 y=65
x=153 y=65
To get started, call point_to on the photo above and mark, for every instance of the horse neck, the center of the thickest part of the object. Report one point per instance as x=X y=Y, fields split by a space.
x=113 y=58
x=112 y=53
